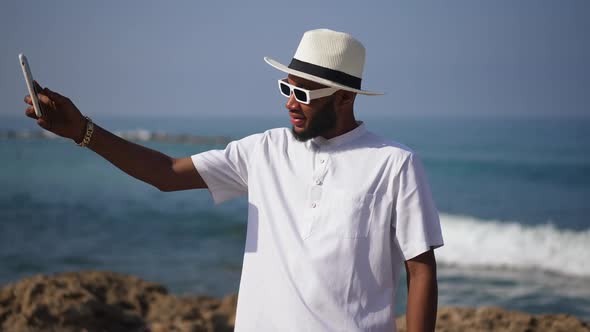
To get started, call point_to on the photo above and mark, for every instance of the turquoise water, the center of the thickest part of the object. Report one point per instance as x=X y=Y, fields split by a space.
x=513 y=196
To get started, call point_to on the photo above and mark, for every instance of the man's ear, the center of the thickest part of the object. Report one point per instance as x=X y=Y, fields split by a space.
x=346 y=98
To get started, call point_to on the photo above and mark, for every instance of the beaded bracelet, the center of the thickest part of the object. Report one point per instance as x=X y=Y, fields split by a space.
x=89 y=131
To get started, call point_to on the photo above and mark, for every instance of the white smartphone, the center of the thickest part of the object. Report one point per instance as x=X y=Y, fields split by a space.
x=24 y=64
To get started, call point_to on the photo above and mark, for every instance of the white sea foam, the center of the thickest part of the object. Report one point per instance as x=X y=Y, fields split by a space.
x=472 y=241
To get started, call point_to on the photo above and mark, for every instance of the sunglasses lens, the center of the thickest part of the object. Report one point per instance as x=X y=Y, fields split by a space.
x=300 y=95
x=285 y=89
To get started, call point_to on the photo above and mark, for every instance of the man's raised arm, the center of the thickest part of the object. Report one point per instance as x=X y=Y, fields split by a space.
x=63 y=118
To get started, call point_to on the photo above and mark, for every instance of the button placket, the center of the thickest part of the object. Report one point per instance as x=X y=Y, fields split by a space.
x=320 y=172
x=317 y=180
x=315 y=192
x=316 y=189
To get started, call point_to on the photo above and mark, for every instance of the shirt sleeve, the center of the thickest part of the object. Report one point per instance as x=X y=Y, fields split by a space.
x=226 y=171
x=416 y=223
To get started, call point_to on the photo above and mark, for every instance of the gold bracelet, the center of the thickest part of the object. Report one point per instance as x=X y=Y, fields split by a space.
x=89 y=131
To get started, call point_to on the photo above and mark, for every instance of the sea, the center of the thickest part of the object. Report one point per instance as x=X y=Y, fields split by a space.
x=513 y=195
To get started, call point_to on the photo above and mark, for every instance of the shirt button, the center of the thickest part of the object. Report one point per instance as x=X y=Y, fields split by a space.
x=313 y=205
x=322 y=161
x=318 y=182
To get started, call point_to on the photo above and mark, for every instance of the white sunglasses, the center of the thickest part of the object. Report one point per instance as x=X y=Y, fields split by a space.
x=302 y=95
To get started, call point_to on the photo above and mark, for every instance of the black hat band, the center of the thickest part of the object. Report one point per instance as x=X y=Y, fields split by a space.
x=326 y=73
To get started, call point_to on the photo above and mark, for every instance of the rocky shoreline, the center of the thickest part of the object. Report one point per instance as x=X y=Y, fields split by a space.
x=139 y=135
x=94 y=301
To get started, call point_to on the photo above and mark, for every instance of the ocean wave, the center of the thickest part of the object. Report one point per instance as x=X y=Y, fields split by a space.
x=142 y=135
x=472 y=241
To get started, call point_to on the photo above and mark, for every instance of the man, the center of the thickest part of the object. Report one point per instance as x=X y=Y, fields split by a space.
x=333 y=212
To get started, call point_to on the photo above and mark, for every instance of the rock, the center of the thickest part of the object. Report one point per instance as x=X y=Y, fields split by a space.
x=106 y=301
x=497 y=319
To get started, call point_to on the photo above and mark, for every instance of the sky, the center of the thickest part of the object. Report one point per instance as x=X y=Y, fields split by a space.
x=205 y=58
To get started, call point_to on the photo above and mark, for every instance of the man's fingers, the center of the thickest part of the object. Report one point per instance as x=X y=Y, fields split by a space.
x=37 y=86
x=47 y=105
x=44 y=123
x=30 y=112
x=54 y=96
x=44 y=99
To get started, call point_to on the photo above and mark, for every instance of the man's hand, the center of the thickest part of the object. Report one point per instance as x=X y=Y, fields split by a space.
x=422 y=292
x=60 y=115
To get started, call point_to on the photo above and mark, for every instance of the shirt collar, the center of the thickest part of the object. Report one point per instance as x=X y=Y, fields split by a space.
x=357 y=132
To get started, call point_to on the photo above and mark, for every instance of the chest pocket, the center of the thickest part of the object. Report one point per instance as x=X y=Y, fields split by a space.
x=347 y=214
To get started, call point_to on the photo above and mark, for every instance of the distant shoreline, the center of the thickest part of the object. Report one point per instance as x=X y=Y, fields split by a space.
x=140 y=135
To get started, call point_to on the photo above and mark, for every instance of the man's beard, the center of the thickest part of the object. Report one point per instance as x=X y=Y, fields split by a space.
x=323 y=120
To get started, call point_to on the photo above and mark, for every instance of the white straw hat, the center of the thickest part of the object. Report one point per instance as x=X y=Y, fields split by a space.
x=330 y=58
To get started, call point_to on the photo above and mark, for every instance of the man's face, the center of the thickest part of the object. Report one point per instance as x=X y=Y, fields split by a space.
x=313 y=119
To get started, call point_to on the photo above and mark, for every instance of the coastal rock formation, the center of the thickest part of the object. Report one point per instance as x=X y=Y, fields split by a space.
x=484 y=319
x=106 y=301
x=139 y=135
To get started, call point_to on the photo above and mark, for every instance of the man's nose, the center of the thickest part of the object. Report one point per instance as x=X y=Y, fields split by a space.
x=292 y=103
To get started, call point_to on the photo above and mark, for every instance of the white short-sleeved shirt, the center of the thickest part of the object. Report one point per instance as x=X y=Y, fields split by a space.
x=330 y=223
